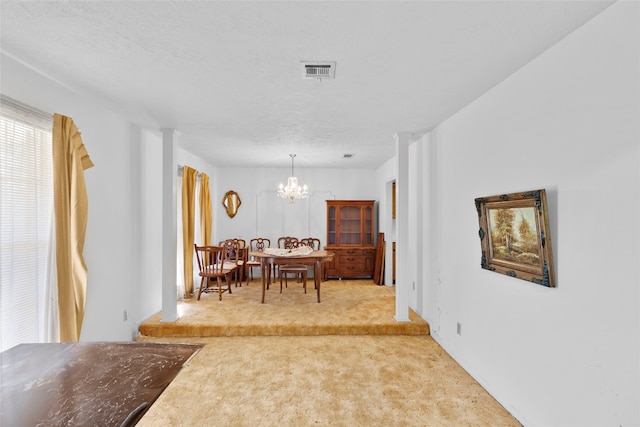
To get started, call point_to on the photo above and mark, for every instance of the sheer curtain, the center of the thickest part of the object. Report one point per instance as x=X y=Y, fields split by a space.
x=28 y=308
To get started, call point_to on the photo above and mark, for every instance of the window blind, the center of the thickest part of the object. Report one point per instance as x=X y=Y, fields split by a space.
x=26 y=209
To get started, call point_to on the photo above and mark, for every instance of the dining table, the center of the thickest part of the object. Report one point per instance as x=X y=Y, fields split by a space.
x=275 y=256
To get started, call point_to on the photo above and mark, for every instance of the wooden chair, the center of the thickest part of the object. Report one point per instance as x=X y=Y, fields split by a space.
x=242 y=256
x=212 y=265
x=285 y=242
x=312 y=242
x=235 y=251
x=298 y=270
x=316 y=245
x=256 y=245
x=288 y=242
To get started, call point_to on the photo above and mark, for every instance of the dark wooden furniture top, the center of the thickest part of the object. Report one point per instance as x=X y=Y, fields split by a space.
x=86 y=384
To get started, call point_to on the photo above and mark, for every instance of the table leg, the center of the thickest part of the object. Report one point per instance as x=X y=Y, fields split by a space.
x=316 y=276
x=263 y=273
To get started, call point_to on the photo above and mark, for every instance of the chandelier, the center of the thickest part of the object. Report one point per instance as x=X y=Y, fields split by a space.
x=293 y=190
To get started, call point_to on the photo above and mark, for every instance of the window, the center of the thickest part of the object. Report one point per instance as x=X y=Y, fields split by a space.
x=26 y=212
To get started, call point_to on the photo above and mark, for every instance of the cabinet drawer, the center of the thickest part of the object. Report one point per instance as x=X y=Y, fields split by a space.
x=357 y=252
x=351 y=262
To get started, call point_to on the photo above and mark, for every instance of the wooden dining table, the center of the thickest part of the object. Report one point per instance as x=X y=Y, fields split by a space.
x=315 y=259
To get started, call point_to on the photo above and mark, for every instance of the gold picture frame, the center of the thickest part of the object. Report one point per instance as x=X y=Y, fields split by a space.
x=514 y=236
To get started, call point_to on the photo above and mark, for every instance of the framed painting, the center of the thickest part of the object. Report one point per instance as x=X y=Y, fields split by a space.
x=514 y=236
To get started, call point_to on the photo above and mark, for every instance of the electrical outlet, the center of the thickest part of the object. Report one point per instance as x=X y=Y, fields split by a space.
x=125 y=315
x=414 y=285
x=459 y=328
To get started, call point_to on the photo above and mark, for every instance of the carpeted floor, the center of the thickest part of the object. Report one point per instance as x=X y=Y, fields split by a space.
x=342 y=379
x=347 y=307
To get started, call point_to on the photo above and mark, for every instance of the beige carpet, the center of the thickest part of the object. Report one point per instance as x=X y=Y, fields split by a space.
x=347 y=307
x=345 y=379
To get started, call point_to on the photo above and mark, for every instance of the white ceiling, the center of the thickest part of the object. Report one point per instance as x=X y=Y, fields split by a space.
x=227 y=75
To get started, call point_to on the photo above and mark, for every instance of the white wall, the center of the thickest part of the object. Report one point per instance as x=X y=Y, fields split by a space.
x=385 y=176
x=566 y=122
x=111 y=250
x=148 y=199
x=263 y=214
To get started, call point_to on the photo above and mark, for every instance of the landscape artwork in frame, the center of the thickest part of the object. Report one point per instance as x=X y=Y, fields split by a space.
x=514 y=236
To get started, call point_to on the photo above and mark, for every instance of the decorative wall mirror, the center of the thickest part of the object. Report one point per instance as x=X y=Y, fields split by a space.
x=231 y=202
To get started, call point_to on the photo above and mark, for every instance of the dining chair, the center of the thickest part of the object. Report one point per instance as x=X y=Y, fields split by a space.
x=316 y=245
x=256 y=245
x=212 y=265
x=234 y=254
x=312 y=242
x=288 y=242
x=285 y=242
x=299 y=270
x=242 y=256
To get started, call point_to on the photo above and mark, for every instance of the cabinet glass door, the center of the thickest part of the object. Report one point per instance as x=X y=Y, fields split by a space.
x=331 y=226
x=368 y=225
x=350 y=222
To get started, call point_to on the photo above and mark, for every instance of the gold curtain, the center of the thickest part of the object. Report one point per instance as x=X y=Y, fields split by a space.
x=70 y=159
x=206 y=215
x=188 y=225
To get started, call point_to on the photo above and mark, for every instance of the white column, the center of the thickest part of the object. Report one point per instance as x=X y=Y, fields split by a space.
x=402 y=227
x=418 y=228
x=169 y=227
x=430 y=237
x=427 y=227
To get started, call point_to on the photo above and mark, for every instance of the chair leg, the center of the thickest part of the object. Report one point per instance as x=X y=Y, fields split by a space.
x=201 y=288
x=219 y=288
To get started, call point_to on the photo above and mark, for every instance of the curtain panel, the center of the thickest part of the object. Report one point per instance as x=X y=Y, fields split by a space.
x=189 y=176
x=70 y=159
x=206 y=214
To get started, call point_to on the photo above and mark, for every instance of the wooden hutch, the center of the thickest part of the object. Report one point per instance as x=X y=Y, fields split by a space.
x=350 y=235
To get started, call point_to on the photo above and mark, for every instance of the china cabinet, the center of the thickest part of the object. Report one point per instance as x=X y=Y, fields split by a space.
x=350 y=235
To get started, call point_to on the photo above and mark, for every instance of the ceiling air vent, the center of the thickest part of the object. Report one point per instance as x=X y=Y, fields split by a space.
x=318 y=70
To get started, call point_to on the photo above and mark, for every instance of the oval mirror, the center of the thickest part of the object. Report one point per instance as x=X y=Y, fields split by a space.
x=231 y=202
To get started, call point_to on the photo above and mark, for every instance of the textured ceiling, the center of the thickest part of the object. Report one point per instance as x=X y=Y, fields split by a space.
x=227 y=75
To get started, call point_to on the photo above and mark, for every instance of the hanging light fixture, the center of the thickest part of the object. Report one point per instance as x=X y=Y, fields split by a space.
x=293 y=190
